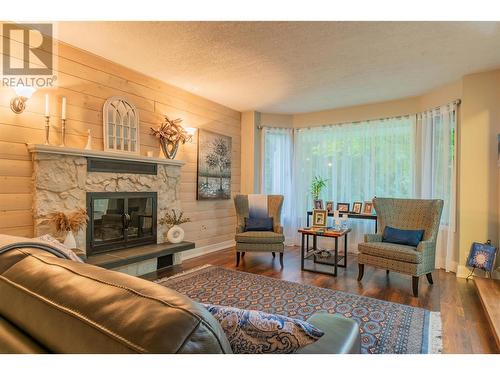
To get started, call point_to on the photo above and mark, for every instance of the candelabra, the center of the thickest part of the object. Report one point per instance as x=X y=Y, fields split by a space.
x=63 y=132
x=47 y=129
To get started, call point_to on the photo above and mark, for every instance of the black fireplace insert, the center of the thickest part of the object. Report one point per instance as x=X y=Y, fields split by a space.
x=120 y=220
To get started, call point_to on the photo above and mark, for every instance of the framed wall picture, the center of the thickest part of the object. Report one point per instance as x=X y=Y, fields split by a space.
x=214 y=166
x=319 y=218
x=482 y=256
x=343 y=207
x=318 y=204
x=356 y=207
x=329 y=206
x=368 y=208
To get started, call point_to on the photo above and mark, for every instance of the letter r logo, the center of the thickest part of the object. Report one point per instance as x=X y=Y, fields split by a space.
x=27 y=49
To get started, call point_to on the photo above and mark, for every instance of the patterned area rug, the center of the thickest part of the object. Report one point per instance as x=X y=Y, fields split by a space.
x=385 y=327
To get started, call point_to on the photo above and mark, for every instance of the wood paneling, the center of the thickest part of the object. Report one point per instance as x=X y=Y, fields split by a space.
x=87 y=80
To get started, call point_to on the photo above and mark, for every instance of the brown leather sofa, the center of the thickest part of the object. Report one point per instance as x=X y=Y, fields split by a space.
x=53 y=305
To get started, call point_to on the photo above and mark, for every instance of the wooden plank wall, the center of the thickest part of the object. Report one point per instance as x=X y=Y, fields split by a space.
x=87 y=80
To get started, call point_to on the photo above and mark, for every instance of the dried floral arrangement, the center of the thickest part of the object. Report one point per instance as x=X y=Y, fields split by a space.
x=73 y=222
x=174 y=219
x=171 y=131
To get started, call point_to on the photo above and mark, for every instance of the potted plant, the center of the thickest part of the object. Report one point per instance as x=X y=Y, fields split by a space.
x=175 y=233
x=317 y=184
x=69 y=224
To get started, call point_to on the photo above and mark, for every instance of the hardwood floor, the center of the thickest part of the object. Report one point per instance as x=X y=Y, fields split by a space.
x=465 y=326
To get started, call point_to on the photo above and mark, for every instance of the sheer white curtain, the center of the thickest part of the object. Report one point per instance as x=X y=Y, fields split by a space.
x=360 y=161
x=407 y=157
x=277 y=153
x=436 y=175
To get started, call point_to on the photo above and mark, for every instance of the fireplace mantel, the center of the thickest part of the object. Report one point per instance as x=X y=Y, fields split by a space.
x=78 y=152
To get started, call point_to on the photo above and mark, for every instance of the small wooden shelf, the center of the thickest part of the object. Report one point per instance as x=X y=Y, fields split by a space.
x=489 y=294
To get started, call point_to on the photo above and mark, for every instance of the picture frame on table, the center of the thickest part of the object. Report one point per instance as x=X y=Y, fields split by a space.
x=318 y=204
x=343 y=208
x=368 y=208
x=356 y=207
x=319 y=218
x=329 y=206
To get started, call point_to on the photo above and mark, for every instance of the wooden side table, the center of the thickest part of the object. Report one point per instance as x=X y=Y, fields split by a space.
x=311 y=259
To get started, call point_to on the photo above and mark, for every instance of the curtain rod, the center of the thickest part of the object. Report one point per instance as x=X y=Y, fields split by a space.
x=457 y=102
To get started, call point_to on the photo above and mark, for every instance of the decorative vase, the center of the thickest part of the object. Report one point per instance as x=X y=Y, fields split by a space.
x=89 y=140
x=175 y=234
x=169 y=148
x=70 y=241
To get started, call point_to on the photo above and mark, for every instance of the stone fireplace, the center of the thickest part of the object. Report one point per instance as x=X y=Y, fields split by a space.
x=63 y=178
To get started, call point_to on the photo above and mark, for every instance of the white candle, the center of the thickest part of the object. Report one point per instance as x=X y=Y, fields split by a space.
x=63 y=114
x=46 y=104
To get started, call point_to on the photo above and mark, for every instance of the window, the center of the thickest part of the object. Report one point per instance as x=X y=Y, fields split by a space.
x=360 y=161
x=120 y=125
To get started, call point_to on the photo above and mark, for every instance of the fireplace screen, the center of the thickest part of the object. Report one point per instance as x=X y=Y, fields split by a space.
x=120 y=220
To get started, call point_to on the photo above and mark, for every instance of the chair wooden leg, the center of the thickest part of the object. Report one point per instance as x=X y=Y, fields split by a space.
x=386 y=272
x=242 y=254
x=361 y=271
x=415 y=285
x=429 y=278
x=274 y=254
x=237 y=258
x=281 y=259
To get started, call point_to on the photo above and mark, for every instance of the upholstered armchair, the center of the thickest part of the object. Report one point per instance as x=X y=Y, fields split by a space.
x=415 y=214
x=259 y=241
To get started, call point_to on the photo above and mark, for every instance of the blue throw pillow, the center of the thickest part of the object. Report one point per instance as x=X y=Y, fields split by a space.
x=402 y=236
x=258 y=224
x=257 y=332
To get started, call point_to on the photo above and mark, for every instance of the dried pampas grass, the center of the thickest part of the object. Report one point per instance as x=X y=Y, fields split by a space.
x=73 y=222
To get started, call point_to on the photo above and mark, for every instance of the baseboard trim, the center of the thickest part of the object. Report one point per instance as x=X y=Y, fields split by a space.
x=207 y=249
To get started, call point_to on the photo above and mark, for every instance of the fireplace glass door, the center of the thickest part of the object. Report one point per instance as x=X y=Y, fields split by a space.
x=120 y=220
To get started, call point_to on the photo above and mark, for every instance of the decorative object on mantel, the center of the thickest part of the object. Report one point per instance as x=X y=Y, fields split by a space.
x=214 y=166
x=23 y=93
x=175 y=233
x=481 y=256
x=70 y=223
x=171 y=135
x=120 y=126
x=63 y=122
x=47 y=119
x=88 y=146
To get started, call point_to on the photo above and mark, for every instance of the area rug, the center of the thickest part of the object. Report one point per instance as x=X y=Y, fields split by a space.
x=386 y=327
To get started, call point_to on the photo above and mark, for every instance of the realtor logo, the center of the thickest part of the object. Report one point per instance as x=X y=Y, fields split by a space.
x=27 y=49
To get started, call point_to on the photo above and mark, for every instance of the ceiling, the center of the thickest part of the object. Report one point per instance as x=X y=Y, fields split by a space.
x=293 y=67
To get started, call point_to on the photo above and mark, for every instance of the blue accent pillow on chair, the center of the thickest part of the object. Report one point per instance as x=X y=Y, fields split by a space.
x=402 y=236
x=260 y=224
x=257 y=332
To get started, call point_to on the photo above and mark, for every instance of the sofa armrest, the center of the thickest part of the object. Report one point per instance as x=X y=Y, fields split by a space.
x=341 y=336
x=373 y=237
